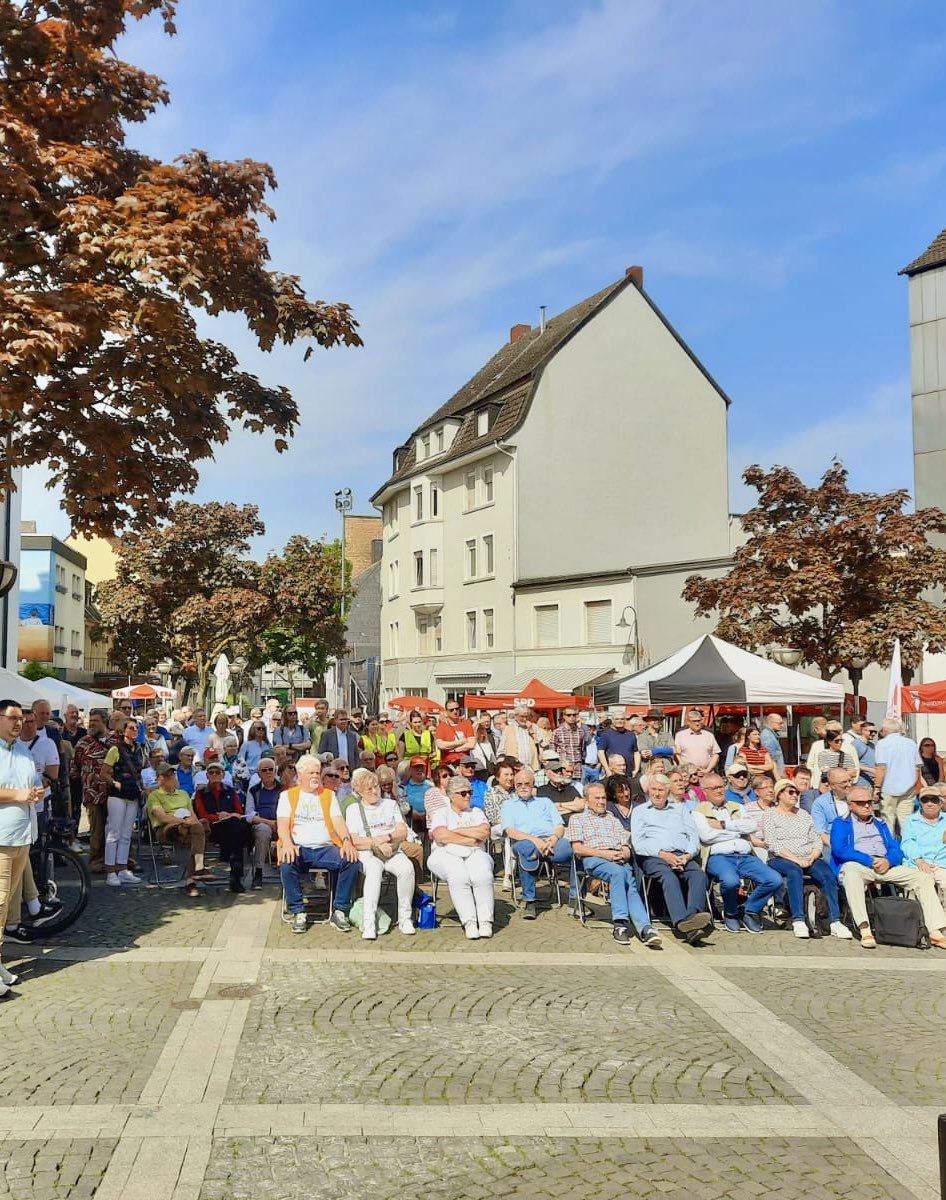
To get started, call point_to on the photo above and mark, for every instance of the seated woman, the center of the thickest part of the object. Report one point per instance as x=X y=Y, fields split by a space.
x=795 y=850
x=755 y=756
x=617 y=789
x=220 y=808
x=377 y=829
x=459 y=833
x=173 y=819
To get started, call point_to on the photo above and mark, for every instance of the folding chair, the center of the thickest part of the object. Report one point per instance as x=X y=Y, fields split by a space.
x=168 y=857
x=545 y=867
x=314 y=876
x=435 y=882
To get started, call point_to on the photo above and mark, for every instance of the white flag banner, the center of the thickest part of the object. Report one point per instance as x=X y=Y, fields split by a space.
x=893 y=687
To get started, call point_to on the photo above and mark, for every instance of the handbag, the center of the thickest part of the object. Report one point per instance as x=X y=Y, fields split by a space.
x=898 y=921
x=426 y=912
x=374 y=849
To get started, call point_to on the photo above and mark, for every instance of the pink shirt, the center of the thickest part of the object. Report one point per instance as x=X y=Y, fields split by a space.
x=697 y=748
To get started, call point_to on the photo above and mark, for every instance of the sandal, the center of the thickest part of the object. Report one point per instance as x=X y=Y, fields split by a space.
x=205 y=873
x=191 y=889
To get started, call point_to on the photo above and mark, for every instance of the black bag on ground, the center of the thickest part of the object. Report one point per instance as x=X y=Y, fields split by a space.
x=816 y=911
x=898 y=921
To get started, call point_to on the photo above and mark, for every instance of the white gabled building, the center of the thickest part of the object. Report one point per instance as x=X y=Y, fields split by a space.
x=579 y=476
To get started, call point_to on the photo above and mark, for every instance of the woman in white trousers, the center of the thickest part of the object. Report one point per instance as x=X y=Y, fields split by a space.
x=459 y=832
x=377 y=829
x=124 y=796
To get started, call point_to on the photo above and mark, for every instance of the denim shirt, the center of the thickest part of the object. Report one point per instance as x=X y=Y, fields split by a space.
x=655 y=829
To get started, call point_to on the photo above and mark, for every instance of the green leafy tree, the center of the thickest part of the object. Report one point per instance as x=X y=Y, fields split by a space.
x=37 y=670
x=836 y=574
x=304 y=588
x=106 y=257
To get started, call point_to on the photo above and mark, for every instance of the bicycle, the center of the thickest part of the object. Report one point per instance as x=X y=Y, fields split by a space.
x=61 y=875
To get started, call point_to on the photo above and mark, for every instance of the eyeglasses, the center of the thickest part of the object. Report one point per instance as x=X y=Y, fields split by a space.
x=343 y=770
x=792 y=791
x=453 y=710
x=266 y=770
x=463 y=792
x=929 y=800
x=571 y=714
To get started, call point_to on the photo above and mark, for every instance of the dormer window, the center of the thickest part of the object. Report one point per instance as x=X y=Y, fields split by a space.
x=423 y=447
x=482 y=422
x=438 y=440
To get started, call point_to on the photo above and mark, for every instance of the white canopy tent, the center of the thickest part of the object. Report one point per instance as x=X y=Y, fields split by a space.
x=18 y=687
x=711 y=671
x=57 y=690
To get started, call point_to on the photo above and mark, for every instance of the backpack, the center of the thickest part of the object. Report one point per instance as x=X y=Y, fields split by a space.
x=816 y=911
x=897 y=921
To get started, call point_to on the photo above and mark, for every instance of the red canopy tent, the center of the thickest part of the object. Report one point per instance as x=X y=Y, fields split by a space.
x=923 y=698
x=421 y=703
x=535 y=695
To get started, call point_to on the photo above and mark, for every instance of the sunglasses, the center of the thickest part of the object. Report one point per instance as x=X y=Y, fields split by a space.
x=858 y=803
x=929 y=799
x=792 y=791
x=463 y=792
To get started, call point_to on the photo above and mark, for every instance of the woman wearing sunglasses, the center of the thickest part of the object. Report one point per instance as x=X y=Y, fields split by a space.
x=795 y=851
x=459 y=833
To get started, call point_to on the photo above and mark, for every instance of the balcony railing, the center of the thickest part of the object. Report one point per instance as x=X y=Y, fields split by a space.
x=61 y=588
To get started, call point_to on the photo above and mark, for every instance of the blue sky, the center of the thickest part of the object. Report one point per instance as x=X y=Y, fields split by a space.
x=448 y=167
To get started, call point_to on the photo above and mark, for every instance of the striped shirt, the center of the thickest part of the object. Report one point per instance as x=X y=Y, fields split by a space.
x=793 y=832
x=602 y=832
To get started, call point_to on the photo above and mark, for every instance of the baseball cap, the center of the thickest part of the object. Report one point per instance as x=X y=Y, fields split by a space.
x=466 y=761
x=418 y=762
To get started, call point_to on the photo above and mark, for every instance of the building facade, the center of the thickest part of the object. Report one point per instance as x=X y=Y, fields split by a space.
x=542 y=522
x=51 y=609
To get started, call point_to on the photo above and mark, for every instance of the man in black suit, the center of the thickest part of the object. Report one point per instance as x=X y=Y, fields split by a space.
x=340 y=741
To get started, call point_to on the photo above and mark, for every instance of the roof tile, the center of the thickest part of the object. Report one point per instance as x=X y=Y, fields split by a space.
x=933 y=256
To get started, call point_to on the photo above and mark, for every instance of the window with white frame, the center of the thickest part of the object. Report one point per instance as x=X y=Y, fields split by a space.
x=471 y=559
x=434 y=572
x=488 y=554
x=392 y=579
x=429 y=640
x=598 y=623
x=393 y=639
x=439 y=440
x=435 y=500
x=390 y=517
x=418 y=504
x=469 y=483
x=487 y=485
x=546 y=625
x=482 y=422
x=424 y=447
x=418 y=568
x=489 y=628
x=471 y=631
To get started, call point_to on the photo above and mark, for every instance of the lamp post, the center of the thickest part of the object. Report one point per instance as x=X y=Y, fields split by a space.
x=343 y=505
x=8 y=574
x=631 y=637
x=786 y=656
x=855 y=672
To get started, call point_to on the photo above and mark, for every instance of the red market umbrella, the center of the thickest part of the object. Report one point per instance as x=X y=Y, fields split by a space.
x=143 y=691
x=421 y=703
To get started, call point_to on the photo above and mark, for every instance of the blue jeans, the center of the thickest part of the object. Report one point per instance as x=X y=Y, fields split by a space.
x=590 y=774
x=730 y=869
x=821 y=875
x=529 y=859
x=673 y=883
x=626 y=903
x=327 y=858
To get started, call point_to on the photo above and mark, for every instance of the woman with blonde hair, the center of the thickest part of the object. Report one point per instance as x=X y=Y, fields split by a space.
x=378 y=831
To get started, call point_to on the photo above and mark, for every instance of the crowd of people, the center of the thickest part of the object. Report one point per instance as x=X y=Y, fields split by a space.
x=618 y=806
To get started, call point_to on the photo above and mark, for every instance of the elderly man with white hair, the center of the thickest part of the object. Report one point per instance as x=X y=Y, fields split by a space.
x=459 y=833
x=519 y=740
x=536 y=830
x=898 y=773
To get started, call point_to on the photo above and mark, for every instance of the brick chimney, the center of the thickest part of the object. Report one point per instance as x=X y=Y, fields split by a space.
x=517 y=332
x=637 y=274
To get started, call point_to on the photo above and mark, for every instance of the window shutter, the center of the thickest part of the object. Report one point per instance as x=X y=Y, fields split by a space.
x=546 y=625
x=598 y=623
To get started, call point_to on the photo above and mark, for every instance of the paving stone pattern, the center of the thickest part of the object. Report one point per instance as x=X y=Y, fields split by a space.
x=395 y=1033
x=147 y=916
x=59 y=1169
x=385 y=1168
x=88 y=1032
x=887 y=1027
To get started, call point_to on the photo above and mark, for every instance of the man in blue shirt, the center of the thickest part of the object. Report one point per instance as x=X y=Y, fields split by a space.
x=467 y=768
x=738 y=788
x=831 y=804
x=18 y=794
x=534 y=827
x=618 y=740
x=666 y=842
x=863 y=734
x=772 y=730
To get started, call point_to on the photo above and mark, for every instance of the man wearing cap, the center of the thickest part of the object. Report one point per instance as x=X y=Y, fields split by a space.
x=590 y=767
x=533 y=826
x=466 y=767
x=415 y=788
x=454 y=735
x=618 y=740
x=696 y=744
x=653 y=736
x=234 y=724
x=172 y=817
x=557 y=788
x=924 y=838
x=569 y=740
x=262 y=798
x=738 y=788
x=218 y=805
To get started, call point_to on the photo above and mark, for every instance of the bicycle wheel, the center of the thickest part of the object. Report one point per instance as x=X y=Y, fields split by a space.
x=68 y=881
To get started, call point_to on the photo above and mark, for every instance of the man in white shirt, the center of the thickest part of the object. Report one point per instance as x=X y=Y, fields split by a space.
x=898 y=776
x=313 y=833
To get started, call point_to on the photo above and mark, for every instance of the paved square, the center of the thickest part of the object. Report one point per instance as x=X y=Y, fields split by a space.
x=390 y=1168
x=145 y=916
x=58 y=1169
x=474 y=1034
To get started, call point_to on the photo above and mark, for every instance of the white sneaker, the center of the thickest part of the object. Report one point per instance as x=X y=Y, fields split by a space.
x=800 y=929
x=7 y=978
x=472 y=930
x=127 y=877
x=486 y=930
x=507 y=883
x=406 y=927
x=370 y=933
x=113 y=880
x=840 y=930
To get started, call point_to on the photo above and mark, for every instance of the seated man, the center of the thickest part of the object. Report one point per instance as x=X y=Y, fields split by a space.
x=414 y=789
x=807 y=794
x=561 y=791
x=724 y=831
x=466 y=767
x=599 y=841
x=313 y=833
x=831 y=804
x=666 y=843
x=738 y=788
x=221 y=811
x=262 y=800
x=172 y=817
x=535 y=830
x=863 y=850
x=924 y=838
x=149 y=775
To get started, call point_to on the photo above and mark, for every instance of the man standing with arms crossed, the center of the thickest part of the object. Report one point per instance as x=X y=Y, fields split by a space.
x=17 y=796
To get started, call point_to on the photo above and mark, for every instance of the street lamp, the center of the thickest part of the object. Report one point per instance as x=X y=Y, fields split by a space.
x=8 y=574
x=786 y=656
x=631 y=637
x=855 y=671
x=343 y=505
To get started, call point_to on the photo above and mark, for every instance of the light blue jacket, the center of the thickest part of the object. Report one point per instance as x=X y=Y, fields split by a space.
x=656 y=829
x=924 y=839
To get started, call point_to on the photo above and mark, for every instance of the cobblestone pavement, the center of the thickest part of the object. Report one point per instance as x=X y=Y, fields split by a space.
x=168 y=1049
x=480 y=1034
x=532 y=1169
